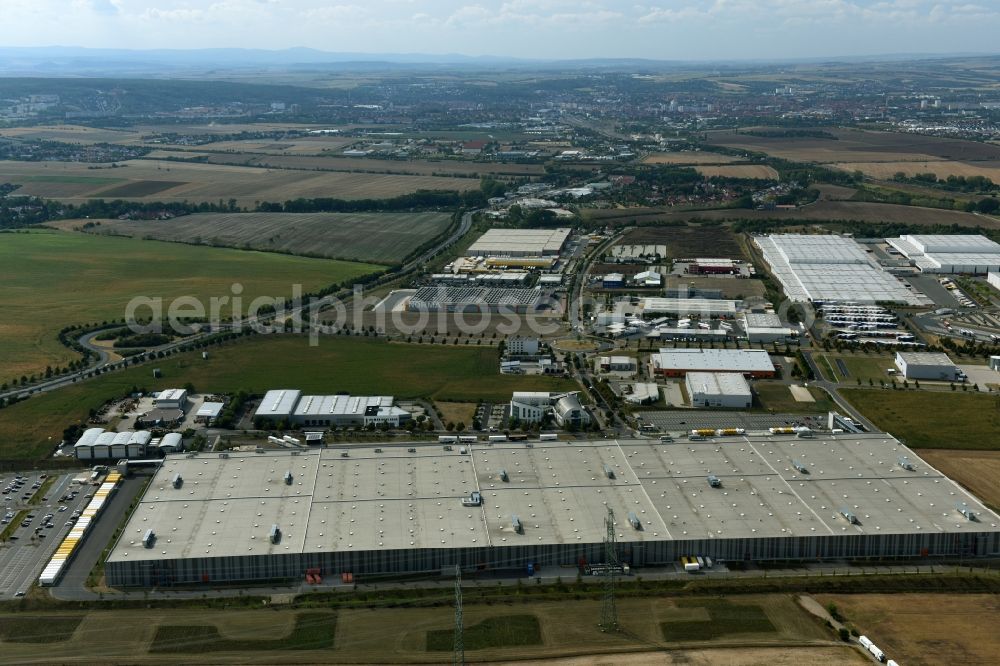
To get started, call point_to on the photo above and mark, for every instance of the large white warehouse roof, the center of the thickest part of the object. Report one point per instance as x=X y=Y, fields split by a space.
x=831 y=268
x=949 y=253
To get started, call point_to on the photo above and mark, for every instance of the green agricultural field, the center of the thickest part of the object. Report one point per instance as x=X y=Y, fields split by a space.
x=54 y=279
x=384 y=238
x=30 y=429
x=723 y=618
x=859 y=366
x=312 y=631
x=494 y=632
x=35 y=629
x=776 y=398
x=932 y=419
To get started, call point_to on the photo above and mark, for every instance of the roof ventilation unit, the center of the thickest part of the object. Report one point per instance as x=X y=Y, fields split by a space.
x=148 y=538
x=714 y=481
x=475 y=499
x=288 y=478
x=178 y=481
x=608 y=472
x=634 y=519
x=275 y=534
x=800 y=466
x=964 y=509
x=504 y=476
x=849 y=516
x=515 y=524
x=906 y=463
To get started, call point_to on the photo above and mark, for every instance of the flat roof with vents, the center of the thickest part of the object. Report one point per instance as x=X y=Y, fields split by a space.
x=831 y=268
x=399 y=500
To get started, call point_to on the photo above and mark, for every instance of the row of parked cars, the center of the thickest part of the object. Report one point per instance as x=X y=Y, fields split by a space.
x=16 y=485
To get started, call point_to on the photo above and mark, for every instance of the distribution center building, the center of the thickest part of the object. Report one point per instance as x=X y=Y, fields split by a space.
x=242 y=517
x=949 y=253
x=678 y=362
x=831 y=268
x=291 y=407
x=519 y=243
x=718 y=389
x=927 y=365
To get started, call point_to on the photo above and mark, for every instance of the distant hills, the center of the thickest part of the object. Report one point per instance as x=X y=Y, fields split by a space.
x=79 y=61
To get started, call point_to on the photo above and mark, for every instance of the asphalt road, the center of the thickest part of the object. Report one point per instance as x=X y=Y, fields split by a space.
x=72 y=584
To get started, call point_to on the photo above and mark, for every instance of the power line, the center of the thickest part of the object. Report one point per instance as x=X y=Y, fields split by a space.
x=609 y=610
x=459 y=659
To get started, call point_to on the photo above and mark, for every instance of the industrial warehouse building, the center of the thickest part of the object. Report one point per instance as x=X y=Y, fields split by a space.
x=171 y=399
x=98 y=444
x=831 y=268
x=927 y=365
x=703 y=307
x=519 y=243
x=718 y=389
x=212 y=519
x=949 y=253
x=766 y=327
x=475 y=299
x=317 y=411
x=678 y=362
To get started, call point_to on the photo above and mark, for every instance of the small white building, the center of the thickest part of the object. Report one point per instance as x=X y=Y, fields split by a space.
x=648 y=279
x=927 y=365
x=171 y=399
x=718 y=389
x=995 y=363
x=208 y=412
x=994 y=279
x=171 y=443
x=522 y=346
x=617 y=364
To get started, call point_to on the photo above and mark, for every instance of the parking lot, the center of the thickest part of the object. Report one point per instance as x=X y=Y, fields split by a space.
x=24 y=554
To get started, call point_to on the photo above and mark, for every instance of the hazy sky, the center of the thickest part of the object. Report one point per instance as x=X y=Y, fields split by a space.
x=667 y=29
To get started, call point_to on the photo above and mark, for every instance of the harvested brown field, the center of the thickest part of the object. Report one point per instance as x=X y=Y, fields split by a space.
x=821 y=211
x=373 y=237
x=940 y=168
x=761 y=171
x=688 y=241
x=373 y=165
x=854 y=145
x=299 y=146
x=977 y=471
x=689 y=157
x=138 y=188
x=212 y=182
x=399 y=635
x=74 y=134
x=926 y=629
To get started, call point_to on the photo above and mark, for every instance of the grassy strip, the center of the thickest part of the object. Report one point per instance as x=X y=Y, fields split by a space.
x=43 y=490
x=834 y=375
x=494 y=632
x=724 y=618
x=43 y=629
x=14 y=524
x=312 y=631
